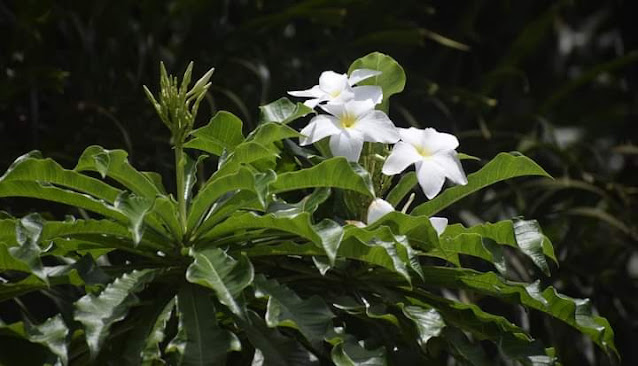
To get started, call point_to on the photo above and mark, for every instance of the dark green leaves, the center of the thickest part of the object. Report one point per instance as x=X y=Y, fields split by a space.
x=311 y=317
x=200 y=341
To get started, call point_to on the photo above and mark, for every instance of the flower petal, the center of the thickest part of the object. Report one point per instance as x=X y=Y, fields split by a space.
x=359 y=108
x=377 y=209
x=319 y=127
x=347 y=145
x=312 y=103
x=336 y=109
x=314 y=92
x=375 y=126
x=412 y=136
x=439 y=224
x=332 y=83
x=434 y=141
x=450 y=164
x=402 y=156
x=430 y=177
x=362 y=74
x=368 y=92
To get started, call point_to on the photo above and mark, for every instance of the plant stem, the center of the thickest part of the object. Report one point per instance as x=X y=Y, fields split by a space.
x=179 y=177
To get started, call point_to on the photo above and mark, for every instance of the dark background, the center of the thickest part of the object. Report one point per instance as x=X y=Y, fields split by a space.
x=555 y=80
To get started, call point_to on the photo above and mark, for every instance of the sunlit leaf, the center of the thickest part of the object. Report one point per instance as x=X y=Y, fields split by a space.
x=503 y=166
x=98 y=313
x=215 y=269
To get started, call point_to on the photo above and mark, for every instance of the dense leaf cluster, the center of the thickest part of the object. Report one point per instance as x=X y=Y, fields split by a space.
x=257 y=262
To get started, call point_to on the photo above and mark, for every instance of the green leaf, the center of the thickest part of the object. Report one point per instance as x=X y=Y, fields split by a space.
x=55 y=194
x=351 y=353
x=230 y=204
x=523 y=235
x=285 y=248
x=27 y=169
x=283 y=111
x=135 y=209
x=190 y=174
x=311 y=317
x=326 y=234
x=245 y=179
x=247 y=153
x=165 y=209
x=379 y=247
x=98 y=313
x=270 y=132
x=82 y=272
x=51 y=334
x=503 y=166
x=199 y=340
x=336 y=172
x=114 y=164
x=575 y=312
x=28 y=232
x=271 y=347
x=9 y=263
x=223 y=132
x=151 y=352
x=464 y=349
x=429 y=323
x=147 y=325
x=470 y=244
x=215 y=269
x=309 y=204
x=534 y=244
x=401 y=189
x=511 y=339
x=392 y=77
x=12 y=290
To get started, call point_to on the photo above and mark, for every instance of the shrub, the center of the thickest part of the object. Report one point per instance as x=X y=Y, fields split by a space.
x=284 y=254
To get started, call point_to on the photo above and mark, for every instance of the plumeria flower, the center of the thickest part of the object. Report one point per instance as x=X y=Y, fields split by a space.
x=349 y=125
x=380 y=207
x=434 y=157
x=339 y=88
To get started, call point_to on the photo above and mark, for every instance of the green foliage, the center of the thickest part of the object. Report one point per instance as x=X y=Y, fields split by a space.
x=260 y=264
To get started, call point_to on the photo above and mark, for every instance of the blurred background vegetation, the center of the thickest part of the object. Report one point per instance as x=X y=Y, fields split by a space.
x=555 y=80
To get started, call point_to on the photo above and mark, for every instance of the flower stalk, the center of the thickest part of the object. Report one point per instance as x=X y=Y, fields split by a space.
x=177 y=107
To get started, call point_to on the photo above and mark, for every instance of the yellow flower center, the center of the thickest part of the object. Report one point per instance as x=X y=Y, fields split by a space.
x=423 y=151
x=335 y=93
x=348 y=120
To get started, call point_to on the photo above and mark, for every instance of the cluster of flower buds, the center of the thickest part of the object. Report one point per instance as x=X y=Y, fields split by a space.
x=177 y=104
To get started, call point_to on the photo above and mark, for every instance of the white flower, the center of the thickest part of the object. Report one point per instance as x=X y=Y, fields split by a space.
x=349 y=125
x=339 y=88
x=434 y=157
x=380 y=207
x=377 y=209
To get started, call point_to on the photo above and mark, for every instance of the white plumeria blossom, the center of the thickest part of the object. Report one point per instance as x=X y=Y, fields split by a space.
x=339 y=88
x=349 y=125
x=380 y=207
x=433 y=154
